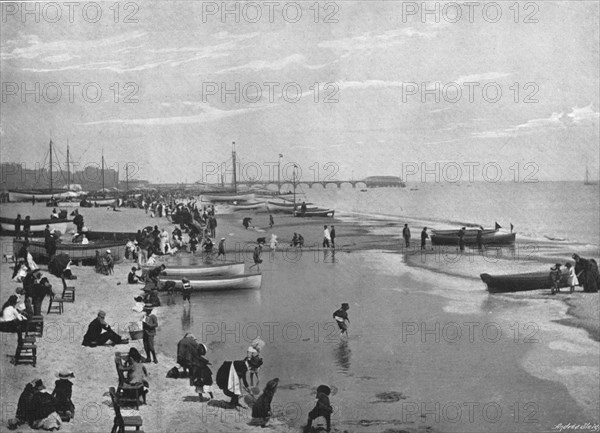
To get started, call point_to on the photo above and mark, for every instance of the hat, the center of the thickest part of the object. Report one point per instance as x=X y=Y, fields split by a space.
x=222 y=239
x=38 y=384
x=148 y=306
x=65 y=374
x=107 y=251
x=252 y=350
x=185 y=280
x=345 y=305
x=556 y=266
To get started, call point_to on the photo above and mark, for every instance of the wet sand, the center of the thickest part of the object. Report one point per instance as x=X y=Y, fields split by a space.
x=173 y=405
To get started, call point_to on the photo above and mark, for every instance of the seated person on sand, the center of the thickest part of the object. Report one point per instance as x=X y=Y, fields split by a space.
x=63 y=392
x=132 y=277
x=12 y=320
x=137 y=372
x=99 y=332
x=37 y=407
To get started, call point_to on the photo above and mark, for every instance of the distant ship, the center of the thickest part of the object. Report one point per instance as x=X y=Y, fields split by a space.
x=383 y=181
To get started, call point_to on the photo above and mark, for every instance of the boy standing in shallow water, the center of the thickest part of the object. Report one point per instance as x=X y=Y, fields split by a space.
x=341 y=317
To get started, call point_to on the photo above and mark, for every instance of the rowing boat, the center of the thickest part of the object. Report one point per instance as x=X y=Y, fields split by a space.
x=245 y=281
x=37 y=226
x=228 y=198
x=193 y=271
x=520 y=282
x=77 y=252
x=470 y=232
x=493 y=238
x=316 y=212
x=42 y=194
x=249 y=206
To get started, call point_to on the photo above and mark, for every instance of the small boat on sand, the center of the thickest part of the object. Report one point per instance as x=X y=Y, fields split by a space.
x=236 y=282
x=77 y=252
x=200 y=271
x=248 y=206
x=520 y=282
x=490 y=238
x=37 y=226
x=228 y=198
x=317 y=212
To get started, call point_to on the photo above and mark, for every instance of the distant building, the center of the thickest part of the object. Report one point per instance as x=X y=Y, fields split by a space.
x=383 y=181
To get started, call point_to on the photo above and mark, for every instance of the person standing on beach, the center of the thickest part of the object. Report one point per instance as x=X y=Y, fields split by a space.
x=332 y=236
x=18 y=227
x=149 y=324
x=341 y=317
x=572 y=280
x=326 y=237
x=461 y=240
x=256 y=257
x=271 y=221
x=406 y=235
x=424 y=237
x=186 y=290
x=221 y=251
x=480 y=239
x=322 y=408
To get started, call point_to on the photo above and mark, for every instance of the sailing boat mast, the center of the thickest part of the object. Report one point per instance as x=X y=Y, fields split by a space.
x=103 y=192
x=68 y=168
x=294 y=185
x=126 y=177
x=51 y=188
x=234 y=169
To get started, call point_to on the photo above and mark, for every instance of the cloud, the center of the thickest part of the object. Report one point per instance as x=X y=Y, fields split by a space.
x=555 y=122
x=488 y=76
x=274 y=65
x=209 y=114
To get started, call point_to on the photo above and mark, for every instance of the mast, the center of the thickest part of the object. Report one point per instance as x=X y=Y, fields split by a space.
x=68 y=168
x=103 y=192
x=51 y=189
x=126 y=177
x=234 y=169
x=294 y=185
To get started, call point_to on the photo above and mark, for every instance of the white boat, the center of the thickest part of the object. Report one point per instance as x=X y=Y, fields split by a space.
x=246 y=281
x=249 y=206
x=192 y=271
x=41 y=195
x=37 y=225
x=228 y=198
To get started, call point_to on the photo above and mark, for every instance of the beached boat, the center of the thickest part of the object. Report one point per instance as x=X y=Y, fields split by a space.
x=228 y=198
x=469 y=231
x=248 y=206
x=77 y=252
x=200 y=271
x=493 y=238
x=236 y=282
x=39 y=194
x=37 y=226
x=520 y=282
x=317 y=212
x=93 y=235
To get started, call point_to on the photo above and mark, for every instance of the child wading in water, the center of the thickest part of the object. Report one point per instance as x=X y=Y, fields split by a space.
x=341 y=317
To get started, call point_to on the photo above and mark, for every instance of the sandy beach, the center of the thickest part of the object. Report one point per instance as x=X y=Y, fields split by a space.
x=173 y=405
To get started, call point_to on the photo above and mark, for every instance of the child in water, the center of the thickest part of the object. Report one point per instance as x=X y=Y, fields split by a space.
x=341 y=317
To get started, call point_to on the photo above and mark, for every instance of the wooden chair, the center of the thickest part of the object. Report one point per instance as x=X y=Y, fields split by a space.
x=68 y=294
x=58 y=308
x=26 y=351
x=35 y=327
x=122 y=423
x=126 y=392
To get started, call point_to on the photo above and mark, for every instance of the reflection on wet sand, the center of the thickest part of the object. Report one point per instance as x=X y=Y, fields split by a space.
x=342 y=354
x=186 y=318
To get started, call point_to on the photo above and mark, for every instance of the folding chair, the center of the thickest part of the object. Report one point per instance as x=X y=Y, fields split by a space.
x=121 y=423
x=68 y=294
x=126 y=392
x=58 y=308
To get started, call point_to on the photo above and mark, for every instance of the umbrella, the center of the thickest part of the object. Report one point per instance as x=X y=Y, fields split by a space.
x=58 y=264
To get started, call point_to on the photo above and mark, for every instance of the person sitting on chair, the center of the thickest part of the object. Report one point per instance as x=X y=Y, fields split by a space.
x=95 y=335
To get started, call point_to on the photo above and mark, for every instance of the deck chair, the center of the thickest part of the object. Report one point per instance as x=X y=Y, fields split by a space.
x=55 y=304
x=126 y=392
x=122 y=423
x=35 y=327
x=68 y=294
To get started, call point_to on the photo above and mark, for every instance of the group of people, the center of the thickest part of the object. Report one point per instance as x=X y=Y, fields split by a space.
x=584 y=273
x=42 y=409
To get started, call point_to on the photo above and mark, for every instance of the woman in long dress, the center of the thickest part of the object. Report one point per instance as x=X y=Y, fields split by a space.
x=164 y=241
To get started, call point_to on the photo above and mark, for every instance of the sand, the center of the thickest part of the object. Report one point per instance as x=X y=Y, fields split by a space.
x=173 y=405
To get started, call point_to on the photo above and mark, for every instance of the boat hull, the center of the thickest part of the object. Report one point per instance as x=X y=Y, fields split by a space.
x=42 y=195
x=250 y=206
x=239 y=282
x=216 y=198
x=77 y=252
x=471 y=240
x=468 y=232
x=192 y=272
x=520 y=282
x=316 y=213
x=37 y=226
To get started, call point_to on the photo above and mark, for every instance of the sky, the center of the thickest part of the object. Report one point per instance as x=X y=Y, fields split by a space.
x=345 y=90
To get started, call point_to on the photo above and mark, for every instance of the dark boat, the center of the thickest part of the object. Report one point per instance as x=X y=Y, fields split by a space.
x=316 y=213
x=490 y=238
x=77 y=252
x=520 y=282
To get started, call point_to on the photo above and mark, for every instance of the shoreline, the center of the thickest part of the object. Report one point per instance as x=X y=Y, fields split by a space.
x=173 y=404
